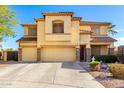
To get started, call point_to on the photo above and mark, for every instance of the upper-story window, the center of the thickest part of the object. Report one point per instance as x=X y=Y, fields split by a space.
x=32 y=30
x=96 y=30
x=58 y=26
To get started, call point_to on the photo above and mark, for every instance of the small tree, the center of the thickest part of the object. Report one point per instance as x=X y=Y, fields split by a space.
x=10 y=49
x=111 y=29
x=7 y=22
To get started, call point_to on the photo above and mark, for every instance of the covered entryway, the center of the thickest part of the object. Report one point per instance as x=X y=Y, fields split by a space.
x=29 y=54
x=58 y=53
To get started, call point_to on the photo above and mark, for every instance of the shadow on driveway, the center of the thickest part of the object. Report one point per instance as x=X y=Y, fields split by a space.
x=71 y=65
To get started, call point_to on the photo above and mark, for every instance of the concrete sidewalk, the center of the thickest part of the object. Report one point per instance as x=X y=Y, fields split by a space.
x=55 y=75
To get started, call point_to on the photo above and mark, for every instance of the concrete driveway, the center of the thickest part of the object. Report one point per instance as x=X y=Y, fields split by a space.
x=56 y=75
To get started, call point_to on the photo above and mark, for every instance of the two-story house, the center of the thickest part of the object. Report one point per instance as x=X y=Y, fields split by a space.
x=59 y=36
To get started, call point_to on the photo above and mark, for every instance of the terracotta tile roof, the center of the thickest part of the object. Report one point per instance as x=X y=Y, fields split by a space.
x=27 y=39
x=85 y=32
x=58 y=13
x=76 y=18
x=103 y=39
x=94 y=23
x=39 y=19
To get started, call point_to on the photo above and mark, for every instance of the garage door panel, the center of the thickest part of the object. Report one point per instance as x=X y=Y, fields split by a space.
x=58 y=54
x=29 y=54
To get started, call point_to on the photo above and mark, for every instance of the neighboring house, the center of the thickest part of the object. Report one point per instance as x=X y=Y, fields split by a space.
x=60 y=36
x=121 y=50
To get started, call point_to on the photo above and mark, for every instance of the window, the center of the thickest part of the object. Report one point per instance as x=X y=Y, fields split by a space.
x=96 y=30
x=32 y=31
x=95 y=50
x=58 y=26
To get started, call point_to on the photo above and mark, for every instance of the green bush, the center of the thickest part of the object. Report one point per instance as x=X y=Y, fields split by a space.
x=106 y=58
x=117 y=70
x=121 y=58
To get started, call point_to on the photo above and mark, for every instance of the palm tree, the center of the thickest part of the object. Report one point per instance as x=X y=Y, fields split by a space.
x=111 y=30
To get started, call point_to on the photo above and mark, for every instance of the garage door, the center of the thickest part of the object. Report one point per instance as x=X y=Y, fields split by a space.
x=58 y=54
x=29 y=54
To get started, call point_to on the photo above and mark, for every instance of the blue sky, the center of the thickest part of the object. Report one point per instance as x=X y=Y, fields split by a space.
x=27 y=13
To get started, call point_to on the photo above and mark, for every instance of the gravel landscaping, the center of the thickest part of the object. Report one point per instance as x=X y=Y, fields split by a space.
x=104 y=77
x=107 y=80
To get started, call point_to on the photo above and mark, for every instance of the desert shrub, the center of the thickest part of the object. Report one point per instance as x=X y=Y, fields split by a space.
x=117 y=70
x=106 y=58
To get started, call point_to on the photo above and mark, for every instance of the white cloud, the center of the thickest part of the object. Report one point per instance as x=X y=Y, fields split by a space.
x=120 y=39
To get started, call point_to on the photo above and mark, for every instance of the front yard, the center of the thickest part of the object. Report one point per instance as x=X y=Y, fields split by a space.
x=104 y=77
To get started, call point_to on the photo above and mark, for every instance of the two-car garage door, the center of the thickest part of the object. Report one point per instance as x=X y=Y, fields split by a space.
x=51 y=54
x=58 y=54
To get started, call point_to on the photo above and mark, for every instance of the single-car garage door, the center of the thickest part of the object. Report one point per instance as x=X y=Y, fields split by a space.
x=29 y=54
x=63 y=54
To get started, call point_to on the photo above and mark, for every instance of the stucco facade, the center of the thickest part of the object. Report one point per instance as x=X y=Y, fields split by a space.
x=73 y=44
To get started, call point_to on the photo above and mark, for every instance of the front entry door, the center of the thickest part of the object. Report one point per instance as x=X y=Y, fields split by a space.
x=82 y=53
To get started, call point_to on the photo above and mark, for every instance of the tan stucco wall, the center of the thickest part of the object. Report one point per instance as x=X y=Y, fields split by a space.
x=58 y=54
x=40 y=33
x=111 y=45
x=75 y=30
x=28 y=44
x=58 y=43
x=103 y=30
x=85 y=39
x=85 y=28
x=58 y=37
x=29 y=54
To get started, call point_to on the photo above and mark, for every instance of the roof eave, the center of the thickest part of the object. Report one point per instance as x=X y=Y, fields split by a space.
x=109 y=39
x=94 y=23
x=39 y=19
x=57 y=13
x=28 y=24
